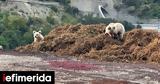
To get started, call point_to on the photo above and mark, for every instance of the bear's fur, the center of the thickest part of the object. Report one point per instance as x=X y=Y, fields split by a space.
x=1 y=47
x=115 y=30
x=108 y=29
x=37 y=36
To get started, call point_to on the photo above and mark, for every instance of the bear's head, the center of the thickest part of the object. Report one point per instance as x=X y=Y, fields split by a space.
x=110 y=30
x=37 y=36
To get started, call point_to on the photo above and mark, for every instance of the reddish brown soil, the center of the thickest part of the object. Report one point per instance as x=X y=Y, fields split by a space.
x=71 y=71
x=73 y=65
x=110 y=81
x=89 y=41
x=103 y=81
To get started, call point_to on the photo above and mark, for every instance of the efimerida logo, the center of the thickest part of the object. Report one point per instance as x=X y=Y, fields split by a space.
x=21 y=78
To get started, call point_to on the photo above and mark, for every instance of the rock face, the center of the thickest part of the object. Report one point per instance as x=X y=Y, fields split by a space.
x=89 y=41
x=91 y=6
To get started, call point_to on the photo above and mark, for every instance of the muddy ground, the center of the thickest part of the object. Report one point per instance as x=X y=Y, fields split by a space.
x=70 y=70
x=89 y=41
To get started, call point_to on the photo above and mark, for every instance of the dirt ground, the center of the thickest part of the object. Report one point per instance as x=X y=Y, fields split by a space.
x=70 y=70
x=89 y=41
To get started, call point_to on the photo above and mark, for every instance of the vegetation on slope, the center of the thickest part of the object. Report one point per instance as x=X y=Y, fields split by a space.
x=89 y=41
x=16 y=30
x=141 y=8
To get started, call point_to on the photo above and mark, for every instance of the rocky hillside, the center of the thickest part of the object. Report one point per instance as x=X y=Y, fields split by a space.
x=142 y=11
x=91 y=6
x=89 y=41
x=26 y=8
x=133 y=11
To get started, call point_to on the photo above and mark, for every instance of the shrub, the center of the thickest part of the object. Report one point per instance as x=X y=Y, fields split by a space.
x=88 y=19
x=72 y=10
x=54 y=8
x=128 y=26
x=68 y=19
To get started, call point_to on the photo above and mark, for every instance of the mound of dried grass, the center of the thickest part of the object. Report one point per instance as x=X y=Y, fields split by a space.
x=89 y=41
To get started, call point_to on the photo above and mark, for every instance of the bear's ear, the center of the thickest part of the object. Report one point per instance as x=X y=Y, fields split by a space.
x=34 y=32
x=40 y=31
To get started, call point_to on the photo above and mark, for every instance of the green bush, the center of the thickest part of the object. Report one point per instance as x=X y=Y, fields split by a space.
x=72 y=10
x=2 y=28
x=143 y=8
x=27 y=38
x=54 y=8
x=128 y=26
x=88 y=19
x=68 y=19
x=4 y=42
x=16 y=30
x=11 y=38
x=51 y=20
